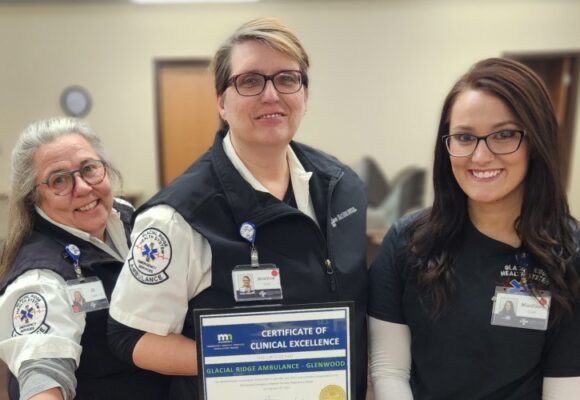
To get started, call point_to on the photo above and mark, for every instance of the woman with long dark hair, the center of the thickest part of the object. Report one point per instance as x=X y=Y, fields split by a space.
x=499 y=230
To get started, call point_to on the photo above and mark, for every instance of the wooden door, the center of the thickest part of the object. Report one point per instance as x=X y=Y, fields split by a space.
x=187 y=116
x=560 y=73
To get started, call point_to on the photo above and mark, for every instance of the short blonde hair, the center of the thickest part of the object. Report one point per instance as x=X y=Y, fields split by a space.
x=270 y=31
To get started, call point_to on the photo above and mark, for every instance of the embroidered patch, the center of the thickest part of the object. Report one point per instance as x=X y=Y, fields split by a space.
x=150 y=257
x=340 y=216
x=30 y=315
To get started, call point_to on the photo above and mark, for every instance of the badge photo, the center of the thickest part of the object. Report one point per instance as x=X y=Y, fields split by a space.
x=257 y=283
x=516 y=309
x=86 y=295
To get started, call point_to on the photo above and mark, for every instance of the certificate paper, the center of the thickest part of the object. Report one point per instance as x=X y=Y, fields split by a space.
x=275 y=353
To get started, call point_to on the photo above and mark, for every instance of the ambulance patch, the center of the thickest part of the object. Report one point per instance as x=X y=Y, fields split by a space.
x=150 y=257
x=30 y=315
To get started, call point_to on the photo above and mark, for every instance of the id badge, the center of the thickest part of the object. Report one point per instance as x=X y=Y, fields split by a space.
x=252 y=283
x=86 y=295
x=517 y=309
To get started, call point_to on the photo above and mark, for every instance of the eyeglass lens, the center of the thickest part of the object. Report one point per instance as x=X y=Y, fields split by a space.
x=252 y=84
x=502 y=142
x=62 y=183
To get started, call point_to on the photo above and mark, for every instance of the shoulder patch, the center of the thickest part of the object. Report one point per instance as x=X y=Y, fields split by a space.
x=30 y=315
x=150 y=257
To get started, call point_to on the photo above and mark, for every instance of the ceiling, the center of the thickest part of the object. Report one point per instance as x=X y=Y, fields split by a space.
x=81 y=2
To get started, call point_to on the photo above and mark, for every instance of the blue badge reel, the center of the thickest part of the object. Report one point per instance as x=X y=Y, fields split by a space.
x=85 y=294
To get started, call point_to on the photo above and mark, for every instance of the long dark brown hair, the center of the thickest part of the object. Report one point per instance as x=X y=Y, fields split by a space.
x=544 y=226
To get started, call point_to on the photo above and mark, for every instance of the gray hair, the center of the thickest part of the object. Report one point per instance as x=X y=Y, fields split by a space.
x=23 y=197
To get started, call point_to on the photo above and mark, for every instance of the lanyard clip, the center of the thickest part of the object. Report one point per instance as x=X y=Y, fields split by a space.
x=74 y=254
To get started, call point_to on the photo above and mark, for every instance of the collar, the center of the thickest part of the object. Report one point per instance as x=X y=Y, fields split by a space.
x=114 y=229
x=298 y=175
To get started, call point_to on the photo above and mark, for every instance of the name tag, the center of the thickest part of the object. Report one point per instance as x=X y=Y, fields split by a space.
x=252 y=283
x=521 y=309
x=86 y=295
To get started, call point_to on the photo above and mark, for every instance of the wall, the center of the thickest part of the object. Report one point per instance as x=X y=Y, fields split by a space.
x=380 y=69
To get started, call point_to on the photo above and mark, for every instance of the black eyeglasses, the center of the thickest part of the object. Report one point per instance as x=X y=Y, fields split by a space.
x=253 y=83
x=63 y=183
x=499 y=143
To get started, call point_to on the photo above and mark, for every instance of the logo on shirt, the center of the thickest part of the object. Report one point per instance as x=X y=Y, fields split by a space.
x=340 y=216
x=30 y=315
x=515 y=276
x=150 y=257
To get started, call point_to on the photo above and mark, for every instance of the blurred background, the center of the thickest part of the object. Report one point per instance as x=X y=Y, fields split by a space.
x=380 y=71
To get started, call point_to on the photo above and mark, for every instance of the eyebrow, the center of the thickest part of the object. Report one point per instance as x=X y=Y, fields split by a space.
x=62 y=170
x=493 y=127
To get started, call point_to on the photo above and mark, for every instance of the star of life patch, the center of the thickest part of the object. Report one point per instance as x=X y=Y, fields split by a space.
x=30 y=313
x=150 y=257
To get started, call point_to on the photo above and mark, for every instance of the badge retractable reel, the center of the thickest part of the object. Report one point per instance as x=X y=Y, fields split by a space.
x=256 y=281
x=85 y=294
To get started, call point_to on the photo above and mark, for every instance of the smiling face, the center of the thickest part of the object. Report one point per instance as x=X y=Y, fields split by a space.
x=87 y=207
x=269 y=119
x=484 y=177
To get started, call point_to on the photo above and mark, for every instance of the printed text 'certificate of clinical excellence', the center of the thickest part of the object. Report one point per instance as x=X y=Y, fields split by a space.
x=275 y=353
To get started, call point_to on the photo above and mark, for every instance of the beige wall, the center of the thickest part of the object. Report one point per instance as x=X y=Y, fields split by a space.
x=380 y=69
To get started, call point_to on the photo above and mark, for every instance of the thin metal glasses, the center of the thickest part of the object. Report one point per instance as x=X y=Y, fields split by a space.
x=506 y=141
x=253 y=83
x=63 y=183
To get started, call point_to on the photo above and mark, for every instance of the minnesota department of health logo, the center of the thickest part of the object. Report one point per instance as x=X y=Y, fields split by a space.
x=29 y=315
x=150 y=257
x=225 y=338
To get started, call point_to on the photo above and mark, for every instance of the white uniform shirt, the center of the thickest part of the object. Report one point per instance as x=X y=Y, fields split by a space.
x=152 y=294
x=36 y=319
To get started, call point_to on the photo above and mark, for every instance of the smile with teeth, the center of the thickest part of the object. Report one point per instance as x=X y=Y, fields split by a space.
x=486 y=174
x=268 y=116
x=89 y=206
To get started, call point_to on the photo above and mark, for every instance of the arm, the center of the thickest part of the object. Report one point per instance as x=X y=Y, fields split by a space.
x=157 y=310
x=170 y=355
x=50 y=394
x=47 y=377
x=42 y=351
x=561 y=388
x=173 y=354
x=390 y=359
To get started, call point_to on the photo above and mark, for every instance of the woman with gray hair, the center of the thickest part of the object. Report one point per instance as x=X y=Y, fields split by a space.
x=66 y=235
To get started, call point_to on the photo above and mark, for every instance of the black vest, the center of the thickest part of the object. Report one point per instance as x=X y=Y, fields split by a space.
x=100 y=374
x=214 y=199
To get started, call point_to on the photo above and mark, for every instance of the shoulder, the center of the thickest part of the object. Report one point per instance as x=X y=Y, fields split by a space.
x=318 y=158
x=396 y=241
x=321 y=162
x=36 y=288
x=38 y=251
x=197 y=185
x=402 y=227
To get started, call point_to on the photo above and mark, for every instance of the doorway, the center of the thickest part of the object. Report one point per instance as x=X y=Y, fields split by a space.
x=187 y=116
x=559 y=71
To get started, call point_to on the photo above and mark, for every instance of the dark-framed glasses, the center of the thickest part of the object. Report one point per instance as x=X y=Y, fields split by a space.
x=502 y=142
x=63 y=183
x=253 y=83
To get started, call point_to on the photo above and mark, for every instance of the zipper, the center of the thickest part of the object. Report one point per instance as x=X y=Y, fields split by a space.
x=330 y=273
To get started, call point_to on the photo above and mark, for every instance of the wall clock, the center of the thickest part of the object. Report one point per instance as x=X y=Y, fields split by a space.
x=75 y=101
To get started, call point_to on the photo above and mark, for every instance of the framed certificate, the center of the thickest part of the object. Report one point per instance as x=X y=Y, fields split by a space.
x=295 y=352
